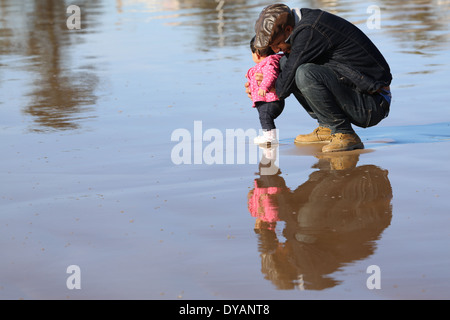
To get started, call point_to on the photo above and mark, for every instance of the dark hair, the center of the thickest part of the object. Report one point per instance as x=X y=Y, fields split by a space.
x=262 y=52
x=283 y=20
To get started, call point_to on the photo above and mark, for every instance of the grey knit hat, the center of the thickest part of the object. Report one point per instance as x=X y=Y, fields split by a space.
x=266 y=21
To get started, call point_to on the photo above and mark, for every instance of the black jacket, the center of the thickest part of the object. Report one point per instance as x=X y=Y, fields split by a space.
x=326 y=39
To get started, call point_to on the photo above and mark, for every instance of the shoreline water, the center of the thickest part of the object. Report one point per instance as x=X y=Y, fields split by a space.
x=88 y=178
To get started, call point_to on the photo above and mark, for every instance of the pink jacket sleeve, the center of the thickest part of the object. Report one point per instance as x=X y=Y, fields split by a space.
x=270 y=70
x=251 y=79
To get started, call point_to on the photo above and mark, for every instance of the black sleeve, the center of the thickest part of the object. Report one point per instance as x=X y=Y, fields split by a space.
x=307 y=45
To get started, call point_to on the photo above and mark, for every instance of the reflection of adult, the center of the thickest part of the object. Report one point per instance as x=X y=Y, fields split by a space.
x=330 y=220
x=333 y=69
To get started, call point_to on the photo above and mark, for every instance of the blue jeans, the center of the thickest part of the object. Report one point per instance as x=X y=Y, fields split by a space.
x=268 y=112
x=336 y=104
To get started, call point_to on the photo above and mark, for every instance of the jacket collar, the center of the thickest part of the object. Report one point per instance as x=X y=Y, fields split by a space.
x=297 y=15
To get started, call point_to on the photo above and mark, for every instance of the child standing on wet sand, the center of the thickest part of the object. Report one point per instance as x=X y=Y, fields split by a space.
x=263 y=94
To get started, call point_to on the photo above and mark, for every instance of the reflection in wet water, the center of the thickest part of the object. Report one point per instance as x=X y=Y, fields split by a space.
x=328 y=222
x=331 y=220
x=59 y=96
x=217 y=23
x=421 y=25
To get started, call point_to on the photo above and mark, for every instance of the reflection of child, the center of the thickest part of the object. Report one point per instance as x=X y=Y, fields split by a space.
x=262 y=204
x=263 y=93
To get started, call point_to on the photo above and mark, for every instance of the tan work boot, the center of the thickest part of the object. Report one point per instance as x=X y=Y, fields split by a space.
x=343 y=142
x=320 y=134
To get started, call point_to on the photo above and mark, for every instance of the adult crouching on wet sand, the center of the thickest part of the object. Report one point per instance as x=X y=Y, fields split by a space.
x=333 y=69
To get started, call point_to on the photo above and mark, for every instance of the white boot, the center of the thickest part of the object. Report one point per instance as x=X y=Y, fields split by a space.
x=268 y=136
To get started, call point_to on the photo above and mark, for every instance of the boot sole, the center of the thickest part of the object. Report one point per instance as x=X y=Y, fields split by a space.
x=354 y=147
x=309 y=142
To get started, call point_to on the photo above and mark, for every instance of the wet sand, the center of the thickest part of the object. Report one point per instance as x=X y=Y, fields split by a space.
x=88 y=178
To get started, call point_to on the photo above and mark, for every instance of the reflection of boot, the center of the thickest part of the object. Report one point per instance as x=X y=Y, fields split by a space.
x=343 y=142
x=305 y=238
x=268 y=165
x=269 y=153
x=320 y=134
x=344 y=162
x=340 y=161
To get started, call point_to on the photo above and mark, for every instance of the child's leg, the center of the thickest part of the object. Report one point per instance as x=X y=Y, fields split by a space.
x=268 y=112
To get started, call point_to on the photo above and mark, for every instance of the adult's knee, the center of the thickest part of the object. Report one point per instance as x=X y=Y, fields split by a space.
x=306 y=75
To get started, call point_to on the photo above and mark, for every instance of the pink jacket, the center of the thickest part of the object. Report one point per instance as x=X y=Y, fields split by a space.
x=270 y=68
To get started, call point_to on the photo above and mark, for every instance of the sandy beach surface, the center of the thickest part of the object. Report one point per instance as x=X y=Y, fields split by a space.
x=119 y=179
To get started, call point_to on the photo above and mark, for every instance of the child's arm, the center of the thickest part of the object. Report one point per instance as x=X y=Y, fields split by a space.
x=270 y=73
x=253 y=81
